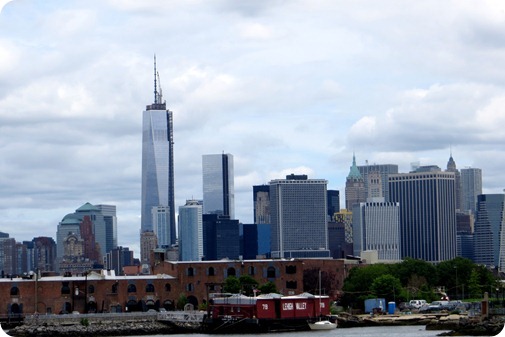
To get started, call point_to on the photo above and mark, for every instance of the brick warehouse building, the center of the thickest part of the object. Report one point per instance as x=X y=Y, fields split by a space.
x=106 y=292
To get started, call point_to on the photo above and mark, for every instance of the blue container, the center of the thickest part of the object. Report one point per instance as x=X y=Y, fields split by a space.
x=391 y=308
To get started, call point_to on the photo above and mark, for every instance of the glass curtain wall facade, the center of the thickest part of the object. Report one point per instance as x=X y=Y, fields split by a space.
x=158 y=167
x=191 y=231
x=489 y=235
x=471 y=188
x=427 y=214
x=218 y=185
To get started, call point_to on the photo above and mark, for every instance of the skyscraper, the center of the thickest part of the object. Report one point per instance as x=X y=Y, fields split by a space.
x=471 y=188
x=298 y=211
x=427 y=214
x=383 y=170
x=376 y=226
x=489 y=235
x=355 y=191
x=218 y=185
x=191 y=231
x=451 y=167
x=158 y=166
x=261 y=202
x=102 y=225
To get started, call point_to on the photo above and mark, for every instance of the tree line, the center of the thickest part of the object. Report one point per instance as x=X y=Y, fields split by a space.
x=459 y=278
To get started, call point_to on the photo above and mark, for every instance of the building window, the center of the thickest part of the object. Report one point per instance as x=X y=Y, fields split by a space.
x=291 y=269
x=291 y=284
x=14 y=291
x=190 y=287
x=114 y=288
x=65 y=289
x=168 y=287
x=149 y=288
x=191 y=271
x=271 y=272
x=132 y=288
x=91 y=289
x=251 y=270
x=231 y=272
x=211 y=271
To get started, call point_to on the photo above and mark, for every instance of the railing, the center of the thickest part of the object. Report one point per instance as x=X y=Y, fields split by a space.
x=98 y=317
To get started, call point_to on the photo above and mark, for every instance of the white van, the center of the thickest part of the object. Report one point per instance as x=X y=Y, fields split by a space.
x=416 y=304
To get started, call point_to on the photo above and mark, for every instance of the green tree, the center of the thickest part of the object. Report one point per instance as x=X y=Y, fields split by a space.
x=181 y=301
x=414 y=273
x=387 y=286
x=474 y=289
x=357 y=284
x=232 y=285
x=268 y=288
x=247 y=284
x=454 y=275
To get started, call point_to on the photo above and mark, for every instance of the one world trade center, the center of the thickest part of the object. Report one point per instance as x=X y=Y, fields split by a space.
x=158 y=211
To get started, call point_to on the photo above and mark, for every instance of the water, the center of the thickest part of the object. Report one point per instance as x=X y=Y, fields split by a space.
x=381 y=331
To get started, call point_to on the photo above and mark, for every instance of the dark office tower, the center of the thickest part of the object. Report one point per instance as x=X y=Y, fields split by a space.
x=451 y=167
x=384 y=170
x=333 y=203
x=218 y=185
x=44 y=253
x=471 y=187
x=355 y=191
x=255 y=240
x=427 y=214
x=489 y=235
x=261 y=201
x=464 y=225
x=299 y=217
x=221 y=237
x=158 y=169
x=118 y=258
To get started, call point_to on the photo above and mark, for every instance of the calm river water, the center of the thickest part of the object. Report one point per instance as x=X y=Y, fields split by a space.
x=400 y=331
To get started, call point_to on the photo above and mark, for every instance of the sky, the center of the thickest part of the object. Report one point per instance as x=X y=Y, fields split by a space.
x=285 y=86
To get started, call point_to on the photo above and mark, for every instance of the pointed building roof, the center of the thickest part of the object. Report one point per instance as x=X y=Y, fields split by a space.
x=451 y=164
x=87 y=207
x=354 y=172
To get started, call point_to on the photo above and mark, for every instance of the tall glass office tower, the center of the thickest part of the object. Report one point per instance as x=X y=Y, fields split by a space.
x=158 y=167
x=218 y=185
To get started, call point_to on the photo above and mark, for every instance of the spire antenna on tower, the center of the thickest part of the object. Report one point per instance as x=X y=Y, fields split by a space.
x=155 y=85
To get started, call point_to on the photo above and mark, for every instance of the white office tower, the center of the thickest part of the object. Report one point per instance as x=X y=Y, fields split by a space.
x=471 y=188
x=376 y=227
x=191 y=231
x=298 y=213
x=218 y=185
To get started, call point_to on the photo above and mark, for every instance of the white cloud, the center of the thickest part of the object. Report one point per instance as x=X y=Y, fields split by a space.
x=285 y=87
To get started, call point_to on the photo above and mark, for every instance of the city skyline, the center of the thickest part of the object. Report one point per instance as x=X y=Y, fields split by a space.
x=286 y=88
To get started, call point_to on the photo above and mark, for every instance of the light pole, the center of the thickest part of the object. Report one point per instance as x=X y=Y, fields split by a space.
x=456 y=267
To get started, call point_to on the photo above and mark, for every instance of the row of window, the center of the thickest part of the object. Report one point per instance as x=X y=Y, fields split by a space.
x=251 y=270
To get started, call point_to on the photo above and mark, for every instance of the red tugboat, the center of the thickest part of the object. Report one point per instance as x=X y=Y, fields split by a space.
x=264 y=313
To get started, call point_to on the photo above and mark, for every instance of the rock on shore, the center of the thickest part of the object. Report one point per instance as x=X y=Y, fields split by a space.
x=469 y=327
x=95 y=329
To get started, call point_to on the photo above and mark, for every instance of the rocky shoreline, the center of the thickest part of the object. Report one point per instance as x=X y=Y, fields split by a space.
x=95 y=329
x=459 y=325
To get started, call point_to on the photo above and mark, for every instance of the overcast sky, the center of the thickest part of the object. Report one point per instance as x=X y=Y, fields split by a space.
x=284 y=86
